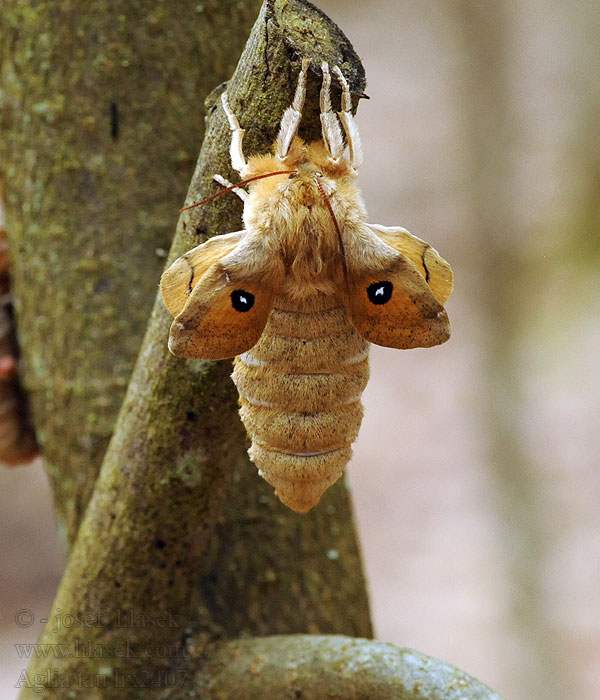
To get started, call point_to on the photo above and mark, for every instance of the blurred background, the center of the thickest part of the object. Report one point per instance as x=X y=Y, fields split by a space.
x=475 y=477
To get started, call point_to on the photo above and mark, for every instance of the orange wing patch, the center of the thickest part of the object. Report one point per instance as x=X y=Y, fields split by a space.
x=221 y=294
x=178 y=282
x=390 y=300
x=427 y=260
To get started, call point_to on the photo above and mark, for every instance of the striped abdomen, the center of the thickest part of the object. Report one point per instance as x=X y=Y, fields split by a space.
x=300 y=389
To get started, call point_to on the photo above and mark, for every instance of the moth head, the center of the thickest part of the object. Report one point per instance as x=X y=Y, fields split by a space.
x=309 y=184
x=274 y=178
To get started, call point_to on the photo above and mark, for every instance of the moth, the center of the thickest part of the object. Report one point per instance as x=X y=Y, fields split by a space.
x=298 y=295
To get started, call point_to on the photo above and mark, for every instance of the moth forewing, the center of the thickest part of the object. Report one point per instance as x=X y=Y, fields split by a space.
x=227 y=285
x=428 y=261
x=390 y=302
x=178 y=281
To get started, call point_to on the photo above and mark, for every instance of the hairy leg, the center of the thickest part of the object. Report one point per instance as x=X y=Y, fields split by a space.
x=330 y=127
x=350 y=127
x=293 y=114
x=238 y=162
x=241 y=193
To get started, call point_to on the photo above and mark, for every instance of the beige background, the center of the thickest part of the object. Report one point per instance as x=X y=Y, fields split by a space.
x=475 y=476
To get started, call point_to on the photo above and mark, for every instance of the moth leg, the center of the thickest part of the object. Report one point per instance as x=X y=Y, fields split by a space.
x=293 y=114
x=241 y=193
x=350 y=127
x=238 y=162
x=330 y=127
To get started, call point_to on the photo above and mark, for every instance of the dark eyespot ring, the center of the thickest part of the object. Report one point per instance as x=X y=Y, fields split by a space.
x=380 y=292
x=292 y=176
x=241 y=300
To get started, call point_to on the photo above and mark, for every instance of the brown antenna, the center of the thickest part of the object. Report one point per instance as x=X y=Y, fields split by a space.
x=238 y=184
x=337 y=230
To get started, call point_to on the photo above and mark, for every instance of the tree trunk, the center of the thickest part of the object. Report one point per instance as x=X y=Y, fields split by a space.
x=102 y=116
x=316 y=667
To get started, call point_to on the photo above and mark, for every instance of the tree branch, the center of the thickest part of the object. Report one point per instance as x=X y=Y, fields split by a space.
x=315 y=667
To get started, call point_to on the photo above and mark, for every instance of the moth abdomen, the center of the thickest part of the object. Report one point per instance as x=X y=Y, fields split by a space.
x=303 y=432
x=300 y=392
x=300 y=480
x=309 y=355
x=300 y=389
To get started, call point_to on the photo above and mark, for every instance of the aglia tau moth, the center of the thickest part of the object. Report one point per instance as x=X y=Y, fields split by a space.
x=298 y=295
